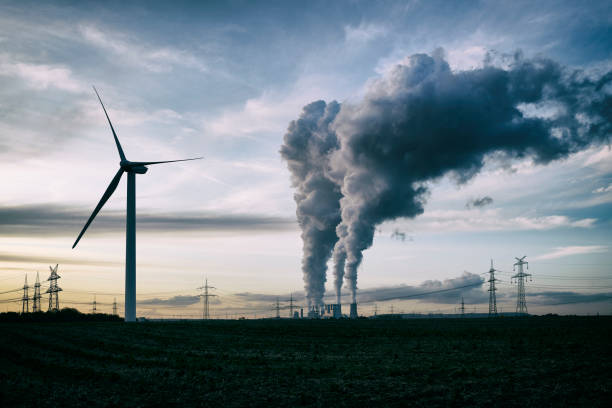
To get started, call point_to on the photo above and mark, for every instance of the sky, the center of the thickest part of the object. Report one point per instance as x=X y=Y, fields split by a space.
x=224 y=80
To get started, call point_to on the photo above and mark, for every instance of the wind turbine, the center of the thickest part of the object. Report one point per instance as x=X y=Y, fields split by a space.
x=131 y=168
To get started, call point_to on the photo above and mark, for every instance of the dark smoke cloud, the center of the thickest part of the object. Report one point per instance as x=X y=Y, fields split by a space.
x=306 y=148
x=422 y=121
x=479 y=202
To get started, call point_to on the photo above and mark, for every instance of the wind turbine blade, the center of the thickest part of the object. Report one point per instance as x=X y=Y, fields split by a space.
x=109 y=191
x=111 y=126
x=167 y=161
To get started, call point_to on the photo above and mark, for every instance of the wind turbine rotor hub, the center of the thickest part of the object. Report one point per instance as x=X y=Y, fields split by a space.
x=133 y=167
x=139 y=169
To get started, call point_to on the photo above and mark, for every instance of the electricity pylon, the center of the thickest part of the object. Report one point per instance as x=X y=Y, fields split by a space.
x=93 y=307
x=291 y=307
x=492 y=289
x=521 y=304
x=53 y=290
x=205 y=295
x=462 y=307
x=25 y=300
x=36 y=299
x=115 y=306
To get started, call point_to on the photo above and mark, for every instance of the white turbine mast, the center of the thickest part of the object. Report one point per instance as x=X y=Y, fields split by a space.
x=131 y=168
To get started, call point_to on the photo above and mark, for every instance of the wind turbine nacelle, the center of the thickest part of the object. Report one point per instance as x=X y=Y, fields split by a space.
x=139 y=169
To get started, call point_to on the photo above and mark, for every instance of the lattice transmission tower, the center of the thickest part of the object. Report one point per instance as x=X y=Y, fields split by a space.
x=94 y=308
x=462 y=307
x=36 y=299
x=205 y=295
x=53 y=290
x=25 y=299
x=519 y=278
x=115 y=306
x=291 y=307
x=492 y=289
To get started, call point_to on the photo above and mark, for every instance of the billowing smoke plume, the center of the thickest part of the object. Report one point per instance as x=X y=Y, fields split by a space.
x=423 y=121
x=307 y=148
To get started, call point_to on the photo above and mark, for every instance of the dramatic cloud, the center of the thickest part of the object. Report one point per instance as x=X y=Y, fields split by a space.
x=468 y=285
x=572 y=250
x=173 y=301
x=32 y=220
x=432 y=291
x=479 y=202
x=494 y=220
x=268 y=298
x=38 y=259
x=563 y=298
x=423 y=121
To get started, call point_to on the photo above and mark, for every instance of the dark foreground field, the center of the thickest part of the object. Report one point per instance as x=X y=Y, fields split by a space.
x=537 y=361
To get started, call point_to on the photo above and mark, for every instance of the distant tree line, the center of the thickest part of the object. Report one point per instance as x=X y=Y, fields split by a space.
x=65 y=315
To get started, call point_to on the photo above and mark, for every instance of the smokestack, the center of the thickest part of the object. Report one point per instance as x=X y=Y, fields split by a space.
x=337 y=309
x=354 y=311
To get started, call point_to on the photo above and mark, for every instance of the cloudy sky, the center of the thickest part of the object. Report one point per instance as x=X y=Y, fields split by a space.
x=224 y=80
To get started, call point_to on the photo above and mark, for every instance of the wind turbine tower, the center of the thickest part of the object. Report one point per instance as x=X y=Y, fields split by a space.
x=492 y=289
x=519 y=278
x=131 y=168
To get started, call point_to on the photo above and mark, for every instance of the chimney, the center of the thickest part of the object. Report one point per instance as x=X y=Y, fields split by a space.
x=337 y=309
x=354 y=311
